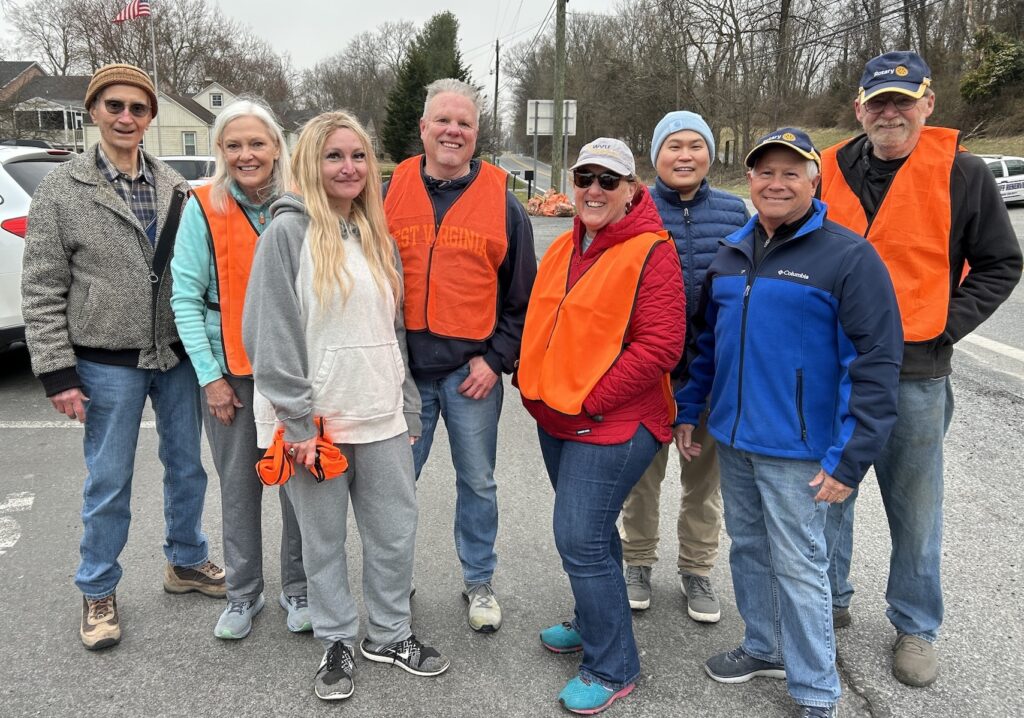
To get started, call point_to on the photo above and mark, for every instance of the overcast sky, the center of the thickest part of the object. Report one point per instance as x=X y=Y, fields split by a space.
x=311 y=30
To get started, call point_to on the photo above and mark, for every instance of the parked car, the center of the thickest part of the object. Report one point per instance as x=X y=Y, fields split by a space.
x=1009 y=174
x=21 y=170
x=197 y=169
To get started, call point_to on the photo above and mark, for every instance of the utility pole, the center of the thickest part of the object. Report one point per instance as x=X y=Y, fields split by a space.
x=559 y=97
x=496 y=140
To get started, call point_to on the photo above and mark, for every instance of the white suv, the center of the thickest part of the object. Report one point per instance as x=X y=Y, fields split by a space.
x=1009 y=174
x=196 y=169
x=21 y=170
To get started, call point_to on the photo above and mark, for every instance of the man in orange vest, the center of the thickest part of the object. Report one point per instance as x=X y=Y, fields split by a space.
x=469 y=265
x=930 y=208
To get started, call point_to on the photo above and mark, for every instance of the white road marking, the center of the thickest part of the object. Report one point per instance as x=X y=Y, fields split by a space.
x=69 y=424
x=10 y=531
x=998 y=347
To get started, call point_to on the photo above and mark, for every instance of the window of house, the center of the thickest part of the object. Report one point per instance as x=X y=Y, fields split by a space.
x=216 y=99
x=188 y=143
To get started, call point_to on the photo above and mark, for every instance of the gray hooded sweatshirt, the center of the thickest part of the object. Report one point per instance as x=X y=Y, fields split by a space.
x=345 y=361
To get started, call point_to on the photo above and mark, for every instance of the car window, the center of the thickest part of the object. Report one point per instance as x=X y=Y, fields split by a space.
x=1014 y=167
x=997 y=169
x=29 y=173
x=192 y=169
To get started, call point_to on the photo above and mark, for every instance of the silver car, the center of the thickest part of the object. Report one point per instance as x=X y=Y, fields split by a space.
x=1009 y=174
x=21 y=170
x=196 y=169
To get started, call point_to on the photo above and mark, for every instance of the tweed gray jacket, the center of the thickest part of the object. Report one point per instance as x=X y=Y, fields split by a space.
x=86 y=274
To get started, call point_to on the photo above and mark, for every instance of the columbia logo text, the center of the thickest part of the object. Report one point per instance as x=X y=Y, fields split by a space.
x=789 y=273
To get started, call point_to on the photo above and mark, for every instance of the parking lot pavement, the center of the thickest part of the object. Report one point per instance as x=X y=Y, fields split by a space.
x=169 y=663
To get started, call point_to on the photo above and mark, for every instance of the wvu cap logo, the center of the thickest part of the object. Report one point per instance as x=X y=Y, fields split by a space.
x=901 y=71
x=789 y=137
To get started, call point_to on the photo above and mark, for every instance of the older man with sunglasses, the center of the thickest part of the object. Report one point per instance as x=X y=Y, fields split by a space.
x=932 y=210
x=100 y=331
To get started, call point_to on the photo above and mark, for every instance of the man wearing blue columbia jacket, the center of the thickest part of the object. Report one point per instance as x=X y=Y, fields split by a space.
x=799 y=345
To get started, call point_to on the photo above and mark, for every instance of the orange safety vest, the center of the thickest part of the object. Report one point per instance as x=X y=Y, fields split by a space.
x=451 y=271
x=572 y=337
x=910 y=230
x=233 y=243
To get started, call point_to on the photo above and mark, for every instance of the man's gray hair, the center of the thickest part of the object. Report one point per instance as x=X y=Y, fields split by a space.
x=812 y=170
x=450 y=84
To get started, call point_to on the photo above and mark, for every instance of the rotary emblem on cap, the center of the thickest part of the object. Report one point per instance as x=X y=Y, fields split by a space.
x=901 y=71
x=789 y=137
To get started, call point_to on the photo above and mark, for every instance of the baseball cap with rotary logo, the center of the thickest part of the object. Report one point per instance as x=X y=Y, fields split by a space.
x=902 y=71
x=794 y=139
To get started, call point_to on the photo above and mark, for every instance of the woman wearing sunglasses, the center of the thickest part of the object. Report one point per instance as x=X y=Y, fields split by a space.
x=605 y=325
x=323 y=325
x=213 y=251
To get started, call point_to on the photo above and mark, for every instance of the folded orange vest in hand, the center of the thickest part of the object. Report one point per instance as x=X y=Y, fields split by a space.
x=277 y=465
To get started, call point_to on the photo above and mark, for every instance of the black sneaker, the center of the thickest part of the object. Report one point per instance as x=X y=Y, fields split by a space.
x=333 y=680
x=841 y=617
x=737 y=666
x=411 y=655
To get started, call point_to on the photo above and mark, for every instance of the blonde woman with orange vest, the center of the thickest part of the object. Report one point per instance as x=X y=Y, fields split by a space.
x=213 y=253
x=605 y=325
x=324 y=327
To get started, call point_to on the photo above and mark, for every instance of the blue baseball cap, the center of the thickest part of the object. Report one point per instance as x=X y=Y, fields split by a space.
x=794 y=139
x=902 y=71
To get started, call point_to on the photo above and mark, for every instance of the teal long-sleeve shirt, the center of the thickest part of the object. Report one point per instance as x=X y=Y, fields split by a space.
x=195 y=282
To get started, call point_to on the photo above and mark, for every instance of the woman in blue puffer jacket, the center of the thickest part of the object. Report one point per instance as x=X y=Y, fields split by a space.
x=698 y=217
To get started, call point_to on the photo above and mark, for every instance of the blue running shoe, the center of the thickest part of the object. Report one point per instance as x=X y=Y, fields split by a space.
x=587 y=698
x=562 y=638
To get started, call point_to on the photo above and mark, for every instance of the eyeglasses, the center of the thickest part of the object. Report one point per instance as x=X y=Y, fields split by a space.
x=901 y=103
x=608 y=181
x=116 y=107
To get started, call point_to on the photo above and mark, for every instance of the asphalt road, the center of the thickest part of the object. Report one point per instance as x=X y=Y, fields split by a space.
x=169 y=663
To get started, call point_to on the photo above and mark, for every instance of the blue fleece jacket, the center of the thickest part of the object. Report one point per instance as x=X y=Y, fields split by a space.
x=801 y=357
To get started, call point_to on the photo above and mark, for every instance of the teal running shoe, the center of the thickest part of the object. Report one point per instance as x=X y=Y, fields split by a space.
x=587 y=698
x=562 y=638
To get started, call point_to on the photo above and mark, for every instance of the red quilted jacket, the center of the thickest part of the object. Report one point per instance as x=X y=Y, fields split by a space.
x=630 y=393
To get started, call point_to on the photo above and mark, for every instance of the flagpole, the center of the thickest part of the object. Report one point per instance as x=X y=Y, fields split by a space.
x=156 y=84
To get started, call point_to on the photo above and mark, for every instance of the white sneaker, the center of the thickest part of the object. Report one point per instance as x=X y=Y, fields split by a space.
x=484 y=611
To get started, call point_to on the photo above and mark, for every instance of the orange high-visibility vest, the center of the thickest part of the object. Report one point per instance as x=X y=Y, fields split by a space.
x=451 y=271
x=233 y=243
x=910 y=230
x=572 y=337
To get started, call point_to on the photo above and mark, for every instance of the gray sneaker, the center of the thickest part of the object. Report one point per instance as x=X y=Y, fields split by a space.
x=484 y=612
x=701 y=602
x=236 y=620
x=298 y=612
x=638 y=587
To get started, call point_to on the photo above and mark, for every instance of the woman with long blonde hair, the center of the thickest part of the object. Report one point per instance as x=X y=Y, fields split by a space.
x=323 y=325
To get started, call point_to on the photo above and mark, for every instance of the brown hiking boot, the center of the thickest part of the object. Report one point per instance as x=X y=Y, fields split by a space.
x=100 y=627
x=207 y=579
x=914 y=661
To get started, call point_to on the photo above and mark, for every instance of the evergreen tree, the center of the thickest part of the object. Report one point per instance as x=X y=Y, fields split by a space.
x=434 y=54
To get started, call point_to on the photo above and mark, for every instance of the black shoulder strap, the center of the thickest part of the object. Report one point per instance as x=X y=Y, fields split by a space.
x=165 y=243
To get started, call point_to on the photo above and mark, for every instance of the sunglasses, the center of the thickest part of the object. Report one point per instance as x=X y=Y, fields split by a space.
x=116 y=107
x=901 y=103
x=608 y=181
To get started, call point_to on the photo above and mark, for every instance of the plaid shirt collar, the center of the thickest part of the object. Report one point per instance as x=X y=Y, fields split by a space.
x=109 y=170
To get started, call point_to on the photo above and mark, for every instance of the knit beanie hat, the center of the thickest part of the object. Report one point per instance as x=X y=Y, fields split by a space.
x=681 y=120
x=120 y=75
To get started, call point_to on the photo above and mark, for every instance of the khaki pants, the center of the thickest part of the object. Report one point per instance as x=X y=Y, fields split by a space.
x=700 y=512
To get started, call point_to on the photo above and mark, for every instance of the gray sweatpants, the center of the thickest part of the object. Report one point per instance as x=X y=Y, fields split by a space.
x=235 y=455
x=382 y=488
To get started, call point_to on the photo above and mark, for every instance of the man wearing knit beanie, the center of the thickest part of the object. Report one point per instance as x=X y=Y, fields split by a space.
x=697 y=216
x=101 y=335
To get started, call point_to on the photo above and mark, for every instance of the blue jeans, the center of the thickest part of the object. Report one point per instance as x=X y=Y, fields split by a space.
x=472 y=426
x=591 y=482
x=779 y=568
x=117 y=396
x=909 y=472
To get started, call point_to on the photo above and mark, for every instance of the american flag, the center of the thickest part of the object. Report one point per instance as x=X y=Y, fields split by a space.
x=134 y=9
